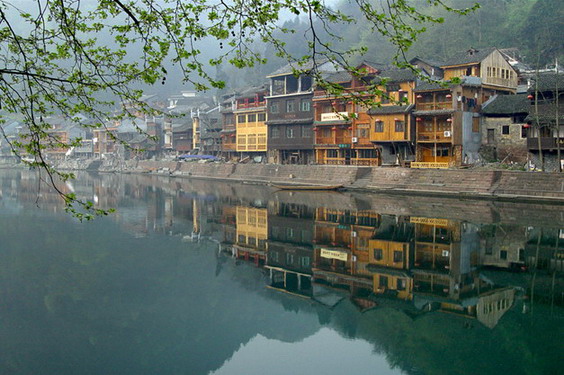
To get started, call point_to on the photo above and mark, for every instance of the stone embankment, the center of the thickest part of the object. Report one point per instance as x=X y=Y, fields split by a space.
x=498 y=184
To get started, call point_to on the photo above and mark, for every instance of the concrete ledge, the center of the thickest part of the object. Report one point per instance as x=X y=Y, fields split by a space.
x=461 y=183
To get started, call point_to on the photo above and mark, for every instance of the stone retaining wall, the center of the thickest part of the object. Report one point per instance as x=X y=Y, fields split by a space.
x=500 y=184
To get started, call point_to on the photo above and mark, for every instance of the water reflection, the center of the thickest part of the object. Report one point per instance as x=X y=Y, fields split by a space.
x=435 y=286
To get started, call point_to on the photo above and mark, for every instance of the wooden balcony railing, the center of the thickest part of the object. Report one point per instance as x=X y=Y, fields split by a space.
x=434 y=137
x=433 y=106
x=251 y=105
x=547 y=143
x=324 y=140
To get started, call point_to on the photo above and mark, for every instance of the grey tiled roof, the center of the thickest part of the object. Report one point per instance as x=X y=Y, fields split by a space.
x=507 y=105
x=389 y=109
x=426 y=86
x=395 y=75
x=297 y=121
x=548 y=82
x=342 y=76
x=466 y=81
x=434 y=112
x=289 y=68
x=431 y=62
x=464 y=57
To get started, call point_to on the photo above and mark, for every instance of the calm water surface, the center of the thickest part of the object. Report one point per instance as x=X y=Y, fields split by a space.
x=195 y=277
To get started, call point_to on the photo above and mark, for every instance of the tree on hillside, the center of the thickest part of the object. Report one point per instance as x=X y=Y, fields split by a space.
x=72 y=57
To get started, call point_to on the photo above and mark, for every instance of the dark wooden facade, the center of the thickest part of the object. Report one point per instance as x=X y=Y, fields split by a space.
x=290 y=128
x=290 y=118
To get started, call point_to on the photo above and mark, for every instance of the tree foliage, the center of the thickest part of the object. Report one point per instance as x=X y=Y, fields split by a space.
x=72 y=57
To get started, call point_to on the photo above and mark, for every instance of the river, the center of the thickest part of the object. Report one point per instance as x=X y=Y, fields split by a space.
x=200 y=277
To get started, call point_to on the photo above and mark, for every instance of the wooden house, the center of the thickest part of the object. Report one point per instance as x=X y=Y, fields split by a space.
x=250 y=122
x=429 y=67
x=448 y=113
x=251 y=234
x=290 y=117
x=341 y=240
x=391 y=257
x=341 y=126
x=392 y=127
x=445 y=260
x=488 y=64
x=228 y=127
x=546 y=121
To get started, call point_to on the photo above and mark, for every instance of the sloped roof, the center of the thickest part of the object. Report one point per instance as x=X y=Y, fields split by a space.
x=131 y=125
x=178 y=128
x=395 y=75
x=507 y=105
x=548 y=82
x=307 y=66
x=434 y=112
x=471 y=56
x=390 y=109
x=341 y=76
x=426 y=86
x=434 y=63
x=466 y=81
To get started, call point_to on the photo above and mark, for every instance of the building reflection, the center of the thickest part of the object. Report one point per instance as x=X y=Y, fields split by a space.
x=375 y=259
x=419 y=264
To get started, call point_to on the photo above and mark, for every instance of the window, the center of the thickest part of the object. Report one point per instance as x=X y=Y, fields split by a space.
x=289 y=258
x=262 y=117
x=241 y=119
x=332 y=153
x=379 y=126
x=442 y=151
x=393 y=87
x=524 y=131
x=252 y=118
x=505 y=129
x=275 y=132
x=274 y=108
x=289 y=132
x=401 y=284
x=290 y=106
x=362 y=133
x=367 y=153
x=398 y=256
x=305 y=261
x=404 y=96
x=378 y=254
x=383 y=282
x=400 y=126
x=305 y=105
x=306 y=131
x=503 y=254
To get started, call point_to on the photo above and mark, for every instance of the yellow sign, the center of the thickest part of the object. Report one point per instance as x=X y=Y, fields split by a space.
x=428 y=220
x=418 y=164
x=334 y=254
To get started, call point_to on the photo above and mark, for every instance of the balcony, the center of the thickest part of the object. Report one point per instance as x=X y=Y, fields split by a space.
x=547 y=143
x=441 y=136
x=251 y=105
x=433 y=106
x=324 y=140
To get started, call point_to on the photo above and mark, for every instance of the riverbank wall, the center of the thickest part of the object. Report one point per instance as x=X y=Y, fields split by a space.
x=471 y=183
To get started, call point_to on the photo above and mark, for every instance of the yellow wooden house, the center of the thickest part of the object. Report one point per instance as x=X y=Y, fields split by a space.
x=392 y=129
x=250 y=122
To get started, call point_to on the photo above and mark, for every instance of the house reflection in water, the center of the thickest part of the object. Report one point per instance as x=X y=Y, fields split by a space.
x=416 y=264
x=251 y=234
x=290 y=248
